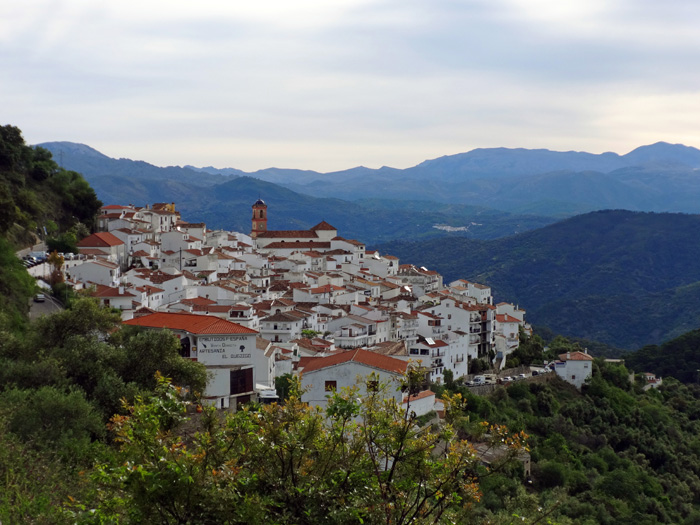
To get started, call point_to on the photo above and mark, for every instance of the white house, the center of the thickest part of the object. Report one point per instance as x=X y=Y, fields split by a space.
x=97 y=271
x=109 y=245
x=323 y=375
x=574 y=367
x=226 y=349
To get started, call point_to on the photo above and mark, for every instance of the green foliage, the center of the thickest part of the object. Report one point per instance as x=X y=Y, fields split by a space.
x=36 y=193
x=477 y=366
x=283 y=386
x=623 y=278
x=611 y=453
x=16 y=289
x=309 y=334
x=677 y=358
x=530 y=349
x=51 y=418
x=360 y=461
x=82 y=348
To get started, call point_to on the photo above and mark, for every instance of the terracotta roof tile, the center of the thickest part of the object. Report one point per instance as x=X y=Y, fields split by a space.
x=100 y=240
x=195 y=324
x=365 y=357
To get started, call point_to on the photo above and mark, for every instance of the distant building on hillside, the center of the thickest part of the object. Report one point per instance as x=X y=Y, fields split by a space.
x=574 y=367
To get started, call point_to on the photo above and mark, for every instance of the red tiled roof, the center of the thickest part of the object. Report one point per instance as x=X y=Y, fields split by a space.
x=275 y=234
x=304 y=361
x=419 y=395
x=365 y=357
x=505 y=318
x=323 y=225
x=297 y=245
x=575 y=356
x=106 y=291
x=100 y=239
x=193 y=323
x=327 y=288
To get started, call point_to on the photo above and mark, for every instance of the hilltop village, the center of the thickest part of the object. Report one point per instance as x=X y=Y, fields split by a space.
x=311 y=302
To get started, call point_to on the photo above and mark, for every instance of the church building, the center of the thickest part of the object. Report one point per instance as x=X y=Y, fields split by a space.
x=317 y=238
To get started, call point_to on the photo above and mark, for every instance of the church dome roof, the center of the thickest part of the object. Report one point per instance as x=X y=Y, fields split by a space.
x=259 y=202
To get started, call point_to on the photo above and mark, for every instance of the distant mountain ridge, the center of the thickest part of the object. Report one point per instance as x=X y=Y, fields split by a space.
x=541 y=182
x=223 y=200
x=658 y=177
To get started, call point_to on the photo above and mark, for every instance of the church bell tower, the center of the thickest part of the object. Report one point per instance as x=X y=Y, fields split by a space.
x=259 y=218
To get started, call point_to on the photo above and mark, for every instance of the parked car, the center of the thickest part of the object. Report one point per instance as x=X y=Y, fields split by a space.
x=479 y=380
x=39 y=298
x=521 y=376
x=507 y=379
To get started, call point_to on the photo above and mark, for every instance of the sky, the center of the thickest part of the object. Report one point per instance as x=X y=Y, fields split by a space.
x=330 y=85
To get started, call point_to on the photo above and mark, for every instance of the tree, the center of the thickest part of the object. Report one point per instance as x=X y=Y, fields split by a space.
x=362 y=460
x=56 y=263
x=309 y=334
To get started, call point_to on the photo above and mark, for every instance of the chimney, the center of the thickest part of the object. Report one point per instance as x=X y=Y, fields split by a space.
x=121 y=290
x=568 y=355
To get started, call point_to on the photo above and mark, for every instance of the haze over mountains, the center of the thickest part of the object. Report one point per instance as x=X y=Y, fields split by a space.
x=658 y=177
x=224 y=200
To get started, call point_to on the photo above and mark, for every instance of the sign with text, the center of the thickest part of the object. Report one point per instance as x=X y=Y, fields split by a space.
x=225 y=349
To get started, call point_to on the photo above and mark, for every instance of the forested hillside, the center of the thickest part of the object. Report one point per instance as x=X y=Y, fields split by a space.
x=679 y=358
x=612 y=454
x=623 y=278
x=36 y=196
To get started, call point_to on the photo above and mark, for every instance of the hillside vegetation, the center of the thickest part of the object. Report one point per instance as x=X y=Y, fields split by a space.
x=679 y=358
x=611 y=454
x=623 y=278
x=36 y=196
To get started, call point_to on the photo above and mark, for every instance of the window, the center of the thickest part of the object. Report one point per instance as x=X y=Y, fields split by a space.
x=331 y=386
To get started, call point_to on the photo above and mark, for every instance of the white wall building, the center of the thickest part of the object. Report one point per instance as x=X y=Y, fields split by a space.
x=226 y=349
x=574 y=367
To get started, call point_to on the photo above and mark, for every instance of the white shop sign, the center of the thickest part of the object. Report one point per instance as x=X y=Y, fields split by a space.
x=224 y=349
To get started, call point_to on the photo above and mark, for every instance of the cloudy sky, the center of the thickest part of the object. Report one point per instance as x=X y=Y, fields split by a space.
x=329 y=85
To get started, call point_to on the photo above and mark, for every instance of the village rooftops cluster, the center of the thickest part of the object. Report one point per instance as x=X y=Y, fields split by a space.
x=252 y=307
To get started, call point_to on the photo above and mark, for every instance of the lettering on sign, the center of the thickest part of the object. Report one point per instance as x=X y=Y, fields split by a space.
x=217 y=349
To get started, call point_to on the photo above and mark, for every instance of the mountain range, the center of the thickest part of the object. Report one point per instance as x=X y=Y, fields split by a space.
x=618 y=277
x=660 y=177
x=223 y=200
